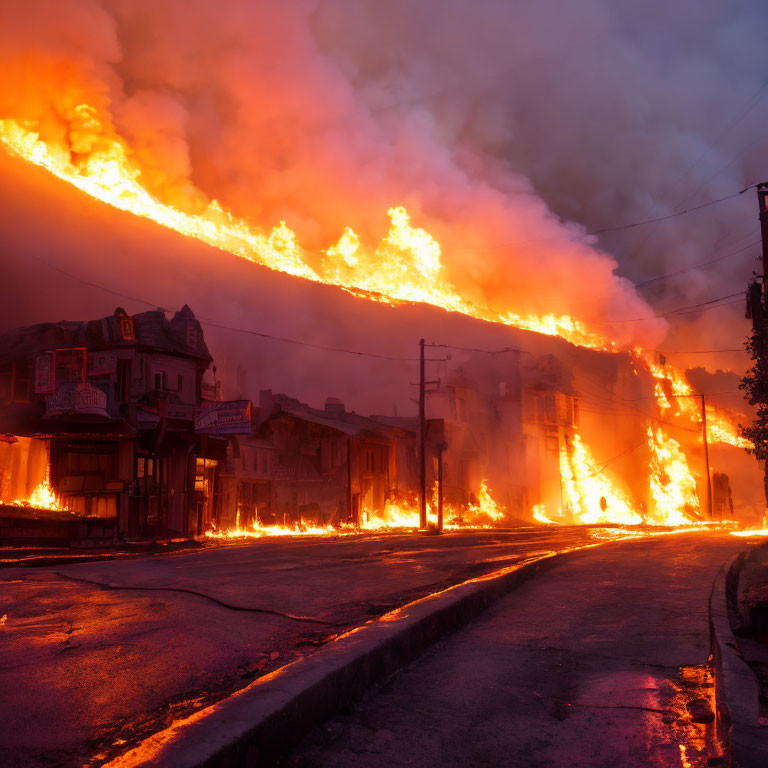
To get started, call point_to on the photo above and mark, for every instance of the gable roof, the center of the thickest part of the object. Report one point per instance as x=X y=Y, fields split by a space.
x=152 y=330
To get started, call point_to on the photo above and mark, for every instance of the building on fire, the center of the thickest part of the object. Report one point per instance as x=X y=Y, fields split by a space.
x=98 y=418
x=324 y=466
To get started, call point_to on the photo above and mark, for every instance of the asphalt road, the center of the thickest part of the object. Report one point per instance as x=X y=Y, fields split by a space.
x=598 y=662
x=97 y=655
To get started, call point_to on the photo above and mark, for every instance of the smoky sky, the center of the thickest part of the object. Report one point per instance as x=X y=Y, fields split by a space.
x=508 y=129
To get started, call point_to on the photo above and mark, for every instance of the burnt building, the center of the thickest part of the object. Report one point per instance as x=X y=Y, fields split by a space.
x=324 y=466
x=102 y=414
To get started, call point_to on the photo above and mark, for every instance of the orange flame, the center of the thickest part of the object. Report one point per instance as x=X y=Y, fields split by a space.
x=589 y=493
x=43 y=497
x=405 y=267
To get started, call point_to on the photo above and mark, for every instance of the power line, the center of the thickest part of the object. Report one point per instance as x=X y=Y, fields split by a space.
x=703 y=306
x=699 y=351
x=670 y=215
x=696 y=266
x=214 y=324
x=605 y=464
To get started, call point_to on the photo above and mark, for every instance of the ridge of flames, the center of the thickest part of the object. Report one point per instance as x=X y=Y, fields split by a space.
x=401 y=514
x=405 y=267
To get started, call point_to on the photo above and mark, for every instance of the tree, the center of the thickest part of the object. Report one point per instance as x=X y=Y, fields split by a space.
x=755 y=386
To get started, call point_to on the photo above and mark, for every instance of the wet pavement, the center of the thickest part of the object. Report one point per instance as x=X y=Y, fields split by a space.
x=598 y=662
x=96 y=655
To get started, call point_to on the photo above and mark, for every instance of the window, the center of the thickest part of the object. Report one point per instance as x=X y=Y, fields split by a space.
x=70 y=366
x=123 y=383
x=179 y=383
x=5 y=386
x=126 y=329
x=22 y=382
x=161 y=381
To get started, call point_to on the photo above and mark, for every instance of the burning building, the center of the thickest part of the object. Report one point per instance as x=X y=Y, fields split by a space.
x=99 y=420
x=321 y=467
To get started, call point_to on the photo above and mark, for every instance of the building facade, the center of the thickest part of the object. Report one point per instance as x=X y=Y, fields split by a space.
x=105 y=411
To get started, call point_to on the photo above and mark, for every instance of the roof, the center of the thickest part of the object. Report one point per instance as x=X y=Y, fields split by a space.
x=182 y=335
x=346 y=422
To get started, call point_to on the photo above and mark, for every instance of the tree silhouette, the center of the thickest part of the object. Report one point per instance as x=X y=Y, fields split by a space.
x=755 y=386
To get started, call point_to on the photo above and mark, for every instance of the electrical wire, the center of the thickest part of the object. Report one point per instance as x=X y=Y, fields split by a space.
x=611 y=461
x=681 y=271
x=215 y=324
x=685 y=310
x=670 y=215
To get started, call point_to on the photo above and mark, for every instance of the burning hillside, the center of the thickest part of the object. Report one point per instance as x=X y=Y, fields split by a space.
x=109 y=108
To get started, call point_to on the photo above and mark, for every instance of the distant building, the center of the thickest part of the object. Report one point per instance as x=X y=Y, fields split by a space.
x=326 y=466
x=106 y=408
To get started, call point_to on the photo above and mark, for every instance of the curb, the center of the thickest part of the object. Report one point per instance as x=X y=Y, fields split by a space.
x=276 y=711
x=736 y=688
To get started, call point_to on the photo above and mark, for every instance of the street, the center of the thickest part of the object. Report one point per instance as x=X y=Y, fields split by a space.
x=598 y=662
x=99 y=654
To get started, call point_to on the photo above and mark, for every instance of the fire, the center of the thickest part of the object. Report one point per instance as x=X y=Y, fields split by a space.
x=405 y=267
x=675 y=396
x=403 y=514
x=43 y=497
x=539 y=514
x=259 y=531
x=591 y=496
x=673 y=487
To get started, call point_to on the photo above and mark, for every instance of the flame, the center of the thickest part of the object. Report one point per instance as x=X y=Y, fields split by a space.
x=259 y=531
x=673 y=487
x=675 y=396
x=43 y=497
x=589 y=493
x=539 y=513
x=405 y=267
x=401 y=514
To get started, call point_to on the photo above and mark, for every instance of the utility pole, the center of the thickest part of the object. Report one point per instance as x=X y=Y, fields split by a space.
x=422 y=442
x=710 y=509
x=440 y=488
x=762 y=201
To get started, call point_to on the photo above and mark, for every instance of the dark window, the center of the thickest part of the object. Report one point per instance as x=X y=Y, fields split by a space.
x=22 y=382
x=123 y=380
x=5 y=386
x=70 y=366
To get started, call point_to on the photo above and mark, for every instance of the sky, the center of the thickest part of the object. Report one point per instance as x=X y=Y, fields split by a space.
x=509 y=131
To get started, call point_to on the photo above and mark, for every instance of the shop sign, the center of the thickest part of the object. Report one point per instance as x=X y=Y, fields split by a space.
x=83 y=399
x=232 y=417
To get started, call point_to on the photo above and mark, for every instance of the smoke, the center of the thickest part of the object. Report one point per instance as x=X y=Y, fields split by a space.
x=508 y=130
x=326 y=114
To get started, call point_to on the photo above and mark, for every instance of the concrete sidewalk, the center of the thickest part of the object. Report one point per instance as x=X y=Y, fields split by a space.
x=740 y=651
x=599 y=662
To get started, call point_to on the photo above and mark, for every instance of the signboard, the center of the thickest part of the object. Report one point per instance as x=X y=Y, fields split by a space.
x=180 y=411
x=102 y=363
x=76 y=398
x=224 y=418
x=44 y=378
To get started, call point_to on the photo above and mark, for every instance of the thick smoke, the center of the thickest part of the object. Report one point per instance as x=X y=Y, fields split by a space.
x=492 y=122
x=326 y=114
